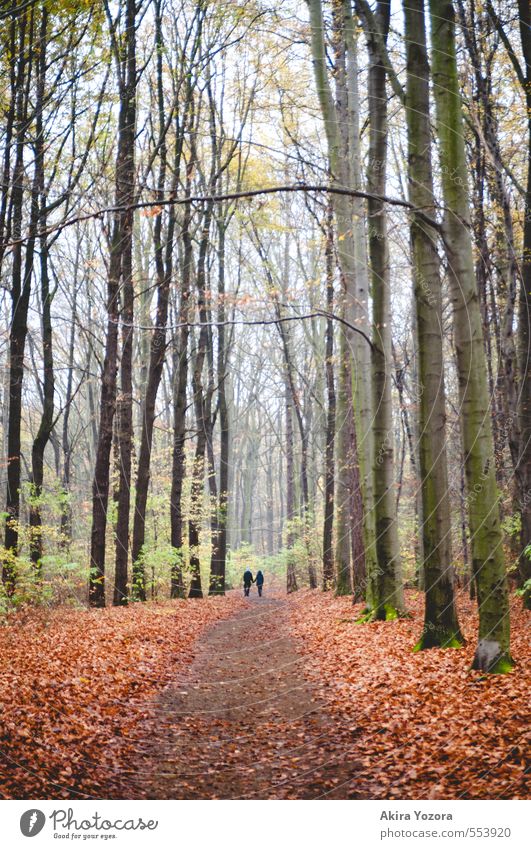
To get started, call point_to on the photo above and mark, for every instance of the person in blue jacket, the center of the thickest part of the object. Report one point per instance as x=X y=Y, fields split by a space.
x=259 y=580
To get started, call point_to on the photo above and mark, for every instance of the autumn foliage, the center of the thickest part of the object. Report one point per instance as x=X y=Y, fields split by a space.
x=430 y=727
x=75 y=687
x=330 y=709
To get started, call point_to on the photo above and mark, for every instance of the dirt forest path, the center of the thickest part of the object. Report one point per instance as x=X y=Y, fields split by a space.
x=244 y=723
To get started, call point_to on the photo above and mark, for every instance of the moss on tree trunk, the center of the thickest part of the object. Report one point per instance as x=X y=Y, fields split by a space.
x=441 y=627
x=492 y=654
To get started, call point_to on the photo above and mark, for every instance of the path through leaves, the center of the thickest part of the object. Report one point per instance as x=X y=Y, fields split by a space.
x=245 y=722
x=261 y=698
x=76 y=689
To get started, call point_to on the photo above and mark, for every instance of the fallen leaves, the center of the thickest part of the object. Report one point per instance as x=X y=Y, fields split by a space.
x=292 y=699
x=430 y=727
x=76 y=685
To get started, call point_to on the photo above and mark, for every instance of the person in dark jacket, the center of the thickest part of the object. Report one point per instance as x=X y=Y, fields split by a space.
x=247 y=581
x=259 y=581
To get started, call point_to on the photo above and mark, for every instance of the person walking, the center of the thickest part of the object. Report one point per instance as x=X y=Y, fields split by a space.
x=247 y=581
x=259 y=580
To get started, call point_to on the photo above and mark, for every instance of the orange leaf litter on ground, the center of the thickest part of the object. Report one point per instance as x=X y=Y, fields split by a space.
x=431 y=727
x=81 y=690
x=75 y=687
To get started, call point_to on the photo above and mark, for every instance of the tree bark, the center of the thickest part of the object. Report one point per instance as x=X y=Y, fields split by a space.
x=219 y=542
x=523 y=469
x=46 y=424
x=388 y=599
x=66 y=507
x=328 y=524
x=492 y=653
x=21 y=274
x=291 y=577
x=343 y=550
x=343 y=153
x=441 y=627
x=200 y=407
x=120 y=247
x=180 y=380
x=157 y=351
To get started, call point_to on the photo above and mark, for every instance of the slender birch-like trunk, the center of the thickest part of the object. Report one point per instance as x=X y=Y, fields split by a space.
x=291 y=577
x=524 y=332
x=124 y=416
x=328 y=524
x=342 y=554
x=48 y=388
x=219 y=540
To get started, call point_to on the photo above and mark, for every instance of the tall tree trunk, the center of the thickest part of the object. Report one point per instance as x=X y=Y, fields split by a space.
x=357 y=303
x=66 y=507
x=180 y=379
x=125 y=404
x=357 y=548
x=388 y=600
x=291 y=577
x=21 y=274
x=124 y=428
x=343 y=153
x=342 y=555
x=328 y=524
x=219 y=542
x=201 y=411
x=492 y=653
x=120 y=248
x=46 y=423
x=441 y=627
x=523 y=469
x=157 y=352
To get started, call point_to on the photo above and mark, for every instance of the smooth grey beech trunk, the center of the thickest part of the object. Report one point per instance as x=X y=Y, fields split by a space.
x=492 y=653
x=343 y=153
x=441 y=627
x=388 y=595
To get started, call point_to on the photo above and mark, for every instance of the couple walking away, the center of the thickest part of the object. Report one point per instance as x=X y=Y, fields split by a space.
x=248 y=580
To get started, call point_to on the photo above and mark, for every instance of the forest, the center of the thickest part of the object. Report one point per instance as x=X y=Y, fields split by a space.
x=265 y=304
